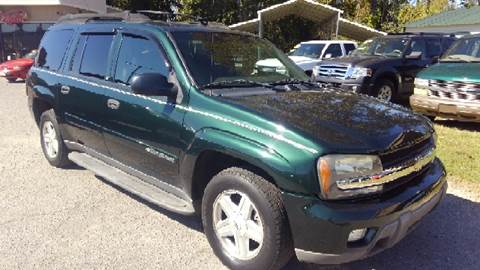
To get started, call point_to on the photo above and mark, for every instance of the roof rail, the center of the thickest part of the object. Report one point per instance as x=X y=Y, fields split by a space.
x=423 y=34
x=125 y=16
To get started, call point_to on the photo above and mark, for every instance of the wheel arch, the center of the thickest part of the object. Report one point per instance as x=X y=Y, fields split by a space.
x=41 y=99
x=215 y=150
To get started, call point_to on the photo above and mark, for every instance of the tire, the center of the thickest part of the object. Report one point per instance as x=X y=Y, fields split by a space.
x=50 y=136
x=431 y=117
x=11 y=80
x=381 y=89
x=267 y=215
x=309 y=73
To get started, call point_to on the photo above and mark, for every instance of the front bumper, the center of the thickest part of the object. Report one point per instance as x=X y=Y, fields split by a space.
x=358 y=85
x=447 y=108
x=320 y=229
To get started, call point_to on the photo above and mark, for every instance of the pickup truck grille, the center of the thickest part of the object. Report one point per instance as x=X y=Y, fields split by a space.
x=454 y=90
x=334 y=71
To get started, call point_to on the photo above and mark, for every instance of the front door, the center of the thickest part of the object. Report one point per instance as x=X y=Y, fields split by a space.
x=142 y=132
x=410 y=67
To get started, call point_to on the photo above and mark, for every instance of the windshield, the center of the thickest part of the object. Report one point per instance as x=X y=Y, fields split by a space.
x=308 y=50
x=389 y=47
x=216 y=57
x=464 y=50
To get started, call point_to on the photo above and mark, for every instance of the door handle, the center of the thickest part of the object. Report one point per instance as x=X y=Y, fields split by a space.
x=65 y=89
x=113 y=104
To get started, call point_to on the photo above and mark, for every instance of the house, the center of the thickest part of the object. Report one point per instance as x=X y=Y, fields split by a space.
x=452 y=21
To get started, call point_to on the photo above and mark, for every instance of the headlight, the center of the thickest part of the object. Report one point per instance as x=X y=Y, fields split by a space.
x=359 y=72
x=335 y=170
x=421 y=83
x=316 y=71
x=421 y=87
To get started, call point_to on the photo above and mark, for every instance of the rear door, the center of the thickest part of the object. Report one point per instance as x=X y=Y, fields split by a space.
x=143 y=132
x=83 y=101
x=410 y=67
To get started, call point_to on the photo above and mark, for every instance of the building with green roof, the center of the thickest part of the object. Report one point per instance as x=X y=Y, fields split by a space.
x=452 y=21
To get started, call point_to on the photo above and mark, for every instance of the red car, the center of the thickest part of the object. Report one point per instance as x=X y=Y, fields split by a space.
x=18 y=68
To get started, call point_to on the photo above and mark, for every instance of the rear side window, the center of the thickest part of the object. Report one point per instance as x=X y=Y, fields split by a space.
x=447 y=43
x=139 y=55
x=53 y=48
x=434 y=48
x=334 y=50
x=348 y=48
x=95 y=56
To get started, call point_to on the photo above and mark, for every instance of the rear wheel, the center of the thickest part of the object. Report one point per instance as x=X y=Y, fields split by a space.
x=53 y=146
x=245 y=221
x=385 y=90
x=11 y=80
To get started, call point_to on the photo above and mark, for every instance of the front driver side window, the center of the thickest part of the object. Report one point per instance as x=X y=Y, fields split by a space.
x=334 y=50
x=139 y=55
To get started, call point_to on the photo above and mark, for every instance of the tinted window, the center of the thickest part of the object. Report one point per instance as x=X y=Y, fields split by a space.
x=447 y=43
x=77 y=57
x=348 y=48
x=138 y=55
x=434 y=48
x=95 y=56
x=309 y=50
x=53 y=48
x=417 y=45
x=334 y=50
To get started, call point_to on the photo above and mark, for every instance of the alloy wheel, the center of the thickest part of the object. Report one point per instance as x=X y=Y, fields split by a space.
x=237 y=225
x=50 y=140
x=385 y=93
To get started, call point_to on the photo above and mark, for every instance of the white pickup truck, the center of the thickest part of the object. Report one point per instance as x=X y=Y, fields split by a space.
x=310 y=53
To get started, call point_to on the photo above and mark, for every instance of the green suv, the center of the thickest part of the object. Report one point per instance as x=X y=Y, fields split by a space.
x=451 y=88
x=181 y=115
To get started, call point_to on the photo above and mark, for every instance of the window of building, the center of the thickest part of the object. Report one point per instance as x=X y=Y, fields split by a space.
x=95 y=56
x=53 y=48
x=139 y=55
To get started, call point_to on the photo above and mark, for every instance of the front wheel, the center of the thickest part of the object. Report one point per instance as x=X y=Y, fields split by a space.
x=11 y=80
x=245 y=221
x=385 y=90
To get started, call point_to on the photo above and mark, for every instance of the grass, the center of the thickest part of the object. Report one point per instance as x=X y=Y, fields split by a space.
x=459 y=149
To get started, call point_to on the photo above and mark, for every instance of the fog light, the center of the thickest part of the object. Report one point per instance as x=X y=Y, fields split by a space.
x=356 y=235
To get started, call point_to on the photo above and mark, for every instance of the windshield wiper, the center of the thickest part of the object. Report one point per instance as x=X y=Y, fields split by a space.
x=239 y=83
x=294 y=81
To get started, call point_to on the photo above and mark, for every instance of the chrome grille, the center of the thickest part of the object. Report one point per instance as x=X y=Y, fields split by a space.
x=334 y=71
x=454 y=90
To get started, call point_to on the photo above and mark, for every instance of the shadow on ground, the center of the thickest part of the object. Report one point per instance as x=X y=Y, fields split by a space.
x=467 y=126
x=448 y=238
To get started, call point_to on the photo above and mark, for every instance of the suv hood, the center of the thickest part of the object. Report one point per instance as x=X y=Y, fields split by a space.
x=363 y=61
x=458 y=72
x=339 y=121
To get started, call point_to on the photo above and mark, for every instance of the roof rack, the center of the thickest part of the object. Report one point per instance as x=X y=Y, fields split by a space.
x=125 y=16
x=423 y=34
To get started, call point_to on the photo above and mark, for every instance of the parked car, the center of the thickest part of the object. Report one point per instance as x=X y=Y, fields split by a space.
x=311 y=53
x=451 y=88
x=18 y=68
x=386 y=66
x=179 y=115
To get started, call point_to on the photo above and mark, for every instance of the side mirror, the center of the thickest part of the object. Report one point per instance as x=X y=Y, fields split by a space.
x=152 y=84
x=414 y=55
x=328 y=56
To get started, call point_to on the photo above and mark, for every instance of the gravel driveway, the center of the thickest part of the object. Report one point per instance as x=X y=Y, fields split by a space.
x=69 y=219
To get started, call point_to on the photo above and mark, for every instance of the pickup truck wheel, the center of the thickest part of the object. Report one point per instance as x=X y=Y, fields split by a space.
x=245 y=221
x=53 y=147
x=385 y=90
